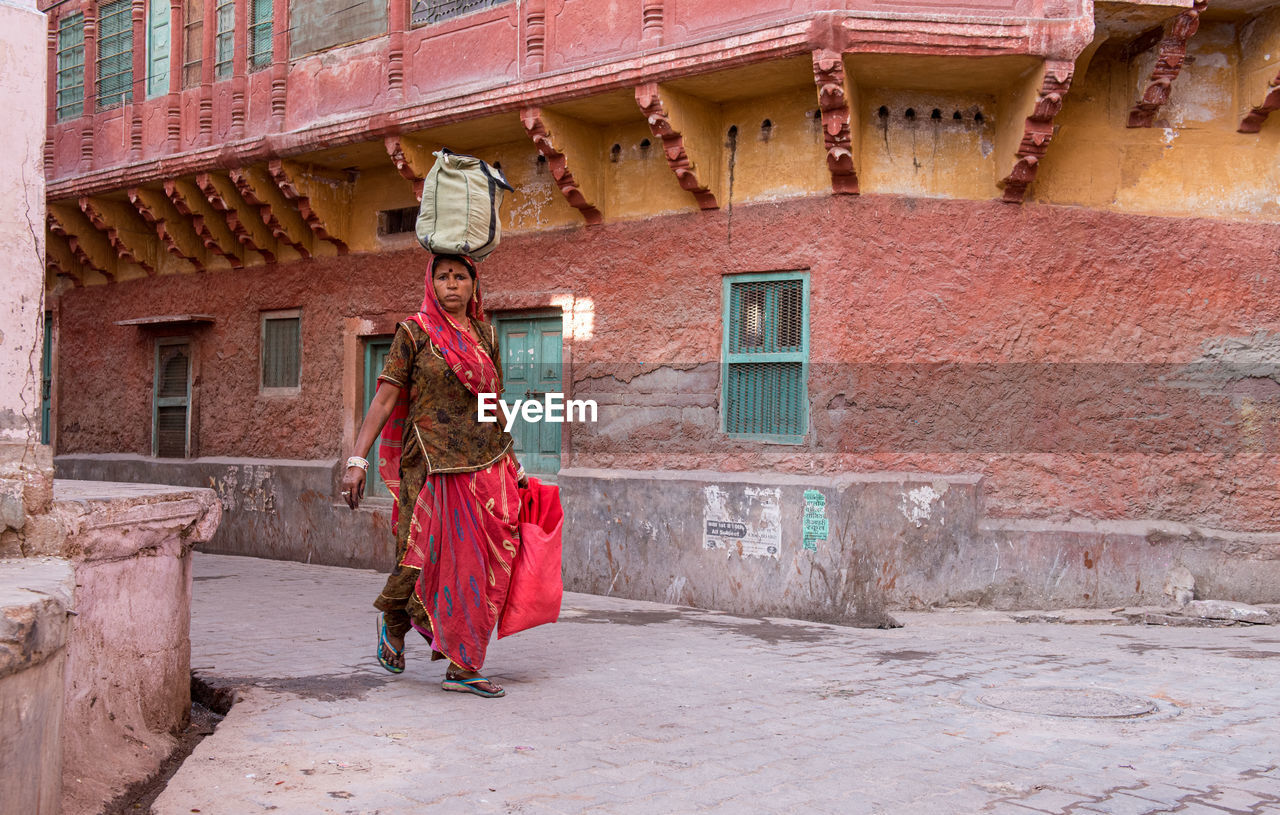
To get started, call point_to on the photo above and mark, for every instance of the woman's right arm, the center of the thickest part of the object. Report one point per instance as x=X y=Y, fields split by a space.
x=374 y=420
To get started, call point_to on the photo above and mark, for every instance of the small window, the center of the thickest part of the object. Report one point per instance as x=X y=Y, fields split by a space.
x=158 y=14
x=766 y=356
x=397 y=221
x=192 y=43
x=115 y=53
x=224 y=43
x=70 y=75
x=375 y=356
x=260 y=33
x=282 y=351
x=172 y=417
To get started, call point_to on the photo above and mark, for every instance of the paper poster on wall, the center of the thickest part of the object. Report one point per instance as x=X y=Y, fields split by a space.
x=814 y=524
x=746 y=521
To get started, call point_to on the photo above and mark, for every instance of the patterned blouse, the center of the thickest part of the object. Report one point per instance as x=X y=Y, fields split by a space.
x=447 y=436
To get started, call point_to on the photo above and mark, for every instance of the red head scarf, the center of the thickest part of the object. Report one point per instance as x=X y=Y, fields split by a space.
x=461 y=351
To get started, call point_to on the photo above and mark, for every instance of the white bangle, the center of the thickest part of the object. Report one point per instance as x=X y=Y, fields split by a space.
x=357 y=461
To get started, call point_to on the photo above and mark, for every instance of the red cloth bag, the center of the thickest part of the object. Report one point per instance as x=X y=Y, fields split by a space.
x=536 y=586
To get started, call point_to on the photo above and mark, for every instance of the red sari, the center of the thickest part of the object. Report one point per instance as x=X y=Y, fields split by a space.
x=462 y=536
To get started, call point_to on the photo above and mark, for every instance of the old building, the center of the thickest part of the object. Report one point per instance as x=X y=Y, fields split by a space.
x=895 y=302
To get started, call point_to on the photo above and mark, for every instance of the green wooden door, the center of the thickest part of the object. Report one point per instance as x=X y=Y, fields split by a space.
x=531 y=369
x=375 y=354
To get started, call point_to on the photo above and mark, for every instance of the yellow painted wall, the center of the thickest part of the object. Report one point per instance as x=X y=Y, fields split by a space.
x=927 y=157
x=639 y=183
x=789 y=159
x=537 y=202
x=1192 y=163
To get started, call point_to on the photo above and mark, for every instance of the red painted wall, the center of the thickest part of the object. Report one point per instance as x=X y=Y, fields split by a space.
x=894 y=281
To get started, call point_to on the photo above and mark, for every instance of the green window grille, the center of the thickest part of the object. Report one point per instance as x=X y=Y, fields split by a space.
x=225 y=38
x=172 y=399
x=158 y=13
x=70 y=75
x=281 y=351
x=766 y=356
x=115 y=53
x=426 y=12
x=192 y=42
x=260 y=33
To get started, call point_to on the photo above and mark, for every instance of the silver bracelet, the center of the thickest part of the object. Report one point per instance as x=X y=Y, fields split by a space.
x=357 y=461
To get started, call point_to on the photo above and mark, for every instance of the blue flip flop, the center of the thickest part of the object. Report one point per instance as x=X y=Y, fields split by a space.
x=385 y=644
x=469 y=686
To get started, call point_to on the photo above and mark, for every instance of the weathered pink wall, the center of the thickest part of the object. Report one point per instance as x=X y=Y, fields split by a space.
x=893 y=280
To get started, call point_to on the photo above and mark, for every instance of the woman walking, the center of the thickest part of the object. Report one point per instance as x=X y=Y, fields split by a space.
x=454 y=480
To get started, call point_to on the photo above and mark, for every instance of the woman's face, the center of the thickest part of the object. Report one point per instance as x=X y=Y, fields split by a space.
x=453 y=285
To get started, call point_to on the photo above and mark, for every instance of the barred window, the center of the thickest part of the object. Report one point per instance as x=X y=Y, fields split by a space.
x=225 y=39
x=172 y=416
x=766 y=356
x=426 y=12
x=70 y=75
x=260 y=32
x=281 y=350
x=158 y=13
x=192 y=43
x=115 y=53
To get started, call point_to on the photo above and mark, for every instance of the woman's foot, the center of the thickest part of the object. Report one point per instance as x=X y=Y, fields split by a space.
x=390 y=649
x=457 y=679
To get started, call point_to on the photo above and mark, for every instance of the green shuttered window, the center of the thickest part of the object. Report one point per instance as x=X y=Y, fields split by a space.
x=225 y=38
x=766 y=356
x=281 y=350
x=172 y=399
x=158 y=13
x=115 y=53
x=70 y=77
x=259 y=34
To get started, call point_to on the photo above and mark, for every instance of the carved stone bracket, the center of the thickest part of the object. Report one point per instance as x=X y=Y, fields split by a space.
x=59 y=259
x=1257 y=115
x=242 y=219
x=838 y=104
x=132 y=241
x=412 y=159
x=682 y=122
x=89 y=247
x=277 y=213
x=174 y=230
x=208 y=222
x=321 y=205
x=1043 y=95
x=1170 y=55
x=554 y=136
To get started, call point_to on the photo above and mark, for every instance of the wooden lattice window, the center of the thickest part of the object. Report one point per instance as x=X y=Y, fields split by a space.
x=260 y=33
x=172 y=409
x=766 y=356
x=115 y=53
x=224 y=41
x=192 y=43
x=70 y=72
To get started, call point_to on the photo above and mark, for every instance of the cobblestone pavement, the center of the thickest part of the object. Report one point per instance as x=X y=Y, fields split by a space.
x=632 y=707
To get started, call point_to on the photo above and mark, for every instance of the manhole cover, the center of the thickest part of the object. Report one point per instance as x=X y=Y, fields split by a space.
x=1078 y=703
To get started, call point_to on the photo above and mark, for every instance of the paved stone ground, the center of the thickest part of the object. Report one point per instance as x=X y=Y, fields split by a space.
x=631 y=707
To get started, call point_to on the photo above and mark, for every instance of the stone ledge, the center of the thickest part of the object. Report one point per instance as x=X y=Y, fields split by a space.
x=107 y=520
x=35 y=597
